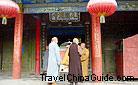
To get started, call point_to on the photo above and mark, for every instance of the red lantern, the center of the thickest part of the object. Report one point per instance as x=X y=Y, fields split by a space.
x=102 y=8
x=8 y=9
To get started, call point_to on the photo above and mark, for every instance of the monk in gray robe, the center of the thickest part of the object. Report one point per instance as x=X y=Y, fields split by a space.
x=75 y=68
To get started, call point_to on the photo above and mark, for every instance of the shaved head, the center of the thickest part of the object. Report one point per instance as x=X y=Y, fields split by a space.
x=83 y=45
x=55 y=39
x=75 y=40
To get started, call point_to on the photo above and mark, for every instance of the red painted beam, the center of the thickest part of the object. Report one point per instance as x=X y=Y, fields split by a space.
x=17 y=52
x=96 y=46
x=37 y=59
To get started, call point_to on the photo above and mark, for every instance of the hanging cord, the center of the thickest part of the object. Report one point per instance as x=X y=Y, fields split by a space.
x=4 y=20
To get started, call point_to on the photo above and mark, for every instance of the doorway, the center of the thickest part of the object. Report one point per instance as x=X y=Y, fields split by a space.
x=65 y=34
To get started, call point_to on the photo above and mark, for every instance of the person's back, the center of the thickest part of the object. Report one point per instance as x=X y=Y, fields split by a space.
x=52 y=63
x=74 y=62
x=52 y=51
x=73 y=53
x=53 y=60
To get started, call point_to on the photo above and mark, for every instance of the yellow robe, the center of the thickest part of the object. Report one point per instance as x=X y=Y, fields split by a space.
x=84 y=61
x=65 y=60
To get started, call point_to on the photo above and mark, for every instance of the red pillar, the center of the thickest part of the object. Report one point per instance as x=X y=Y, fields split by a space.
x=96 y=46
x=17 y=52
x=37 y=61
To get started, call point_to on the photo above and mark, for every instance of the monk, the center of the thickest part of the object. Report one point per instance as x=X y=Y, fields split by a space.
x=75 y=68
x=53 y=61
x=84 y=60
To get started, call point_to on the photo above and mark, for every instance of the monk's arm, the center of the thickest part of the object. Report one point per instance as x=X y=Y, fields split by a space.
x=86 y=55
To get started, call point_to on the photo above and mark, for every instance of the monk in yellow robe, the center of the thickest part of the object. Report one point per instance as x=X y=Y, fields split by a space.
x=84 y=60
x=65 y=60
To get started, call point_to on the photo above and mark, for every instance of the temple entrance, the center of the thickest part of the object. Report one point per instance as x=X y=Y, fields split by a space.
x=65 y=31
x=119 y=26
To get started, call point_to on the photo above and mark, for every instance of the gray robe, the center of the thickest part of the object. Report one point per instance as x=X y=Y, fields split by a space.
x=75 y=68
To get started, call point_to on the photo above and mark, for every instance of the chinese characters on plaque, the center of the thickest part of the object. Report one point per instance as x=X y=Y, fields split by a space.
x=64 y=16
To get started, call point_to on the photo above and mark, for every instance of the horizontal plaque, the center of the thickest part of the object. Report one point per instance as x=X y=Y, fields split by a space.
x=64 y=16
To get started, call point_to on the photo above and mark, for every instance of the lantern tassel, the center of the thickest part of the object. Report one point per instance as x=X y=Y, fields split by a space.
x=4 y=20
x=102 y=19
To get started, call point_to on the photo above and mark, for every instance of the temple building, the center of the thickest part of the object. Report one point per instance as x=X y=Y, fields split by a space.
x=67 y=19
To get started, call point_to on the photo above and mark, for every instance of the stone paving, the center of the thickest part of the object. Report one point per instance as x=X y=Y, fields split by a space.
x=34 y=80
x=38 y=81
